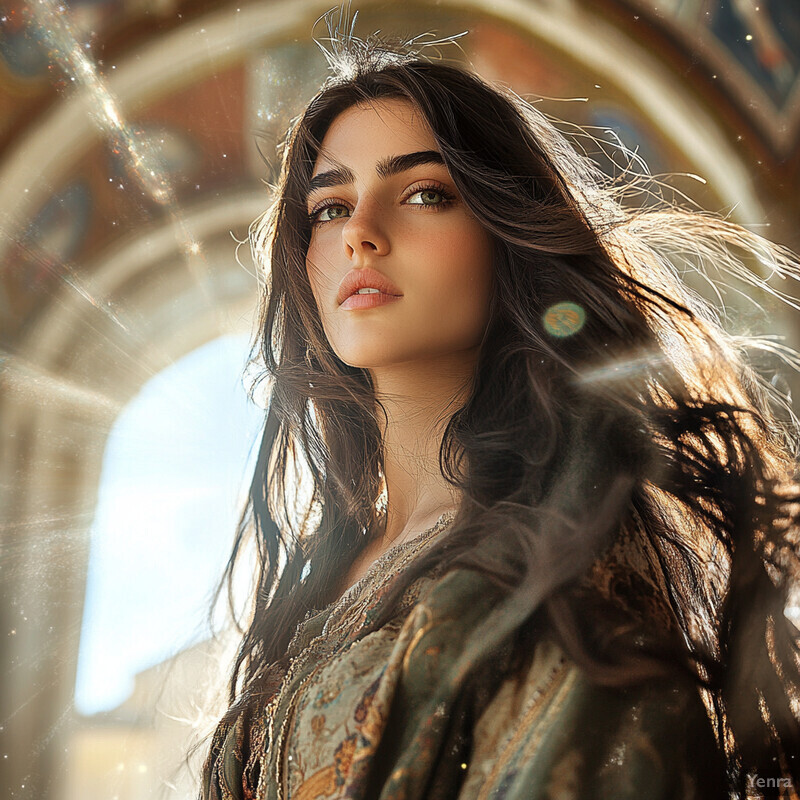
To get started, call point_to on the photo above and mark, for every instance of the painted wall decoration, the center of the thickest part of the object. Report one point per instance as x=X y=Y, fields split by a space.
x=752 y=47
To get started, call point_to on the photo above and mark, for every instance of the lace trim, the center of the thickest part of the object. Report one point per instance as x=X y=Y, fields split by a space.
x=341 y=616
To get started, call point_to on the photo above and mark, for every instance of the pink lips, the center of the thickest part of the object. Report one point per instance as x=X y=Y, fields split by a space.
x=368 y=300
x=366 y=278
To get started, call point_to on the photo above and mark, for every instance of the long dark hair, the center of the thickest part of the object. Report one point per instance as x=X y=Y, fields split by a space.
x=644 y=423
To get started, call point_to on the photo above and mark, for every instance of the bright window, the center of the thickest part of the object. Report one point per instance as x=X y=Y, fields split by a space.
x=175 y=473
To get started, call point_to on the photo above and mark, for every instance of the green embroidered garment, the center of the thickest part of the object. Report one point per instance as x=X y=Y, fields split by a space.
x=390 y=714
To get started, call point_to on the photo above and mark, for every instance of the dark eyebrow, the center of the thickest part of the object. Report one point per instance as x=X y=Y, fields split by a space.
x=386 y=167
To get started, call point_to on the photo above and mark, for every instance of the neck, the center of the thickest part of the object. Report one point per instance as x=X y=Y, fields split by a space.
x=419 y=399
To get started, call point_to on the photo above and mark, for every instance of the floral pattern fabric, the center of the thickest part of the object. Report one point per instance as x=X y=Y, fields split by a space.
x=394 y=715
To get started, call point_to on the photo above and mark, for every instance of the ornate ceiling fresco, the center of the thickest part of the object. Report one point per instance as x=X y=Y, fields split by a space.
x=750 y=47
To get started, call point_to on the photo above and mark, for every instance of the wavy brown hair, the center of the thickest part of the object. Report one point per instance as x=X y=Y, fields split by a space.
x=648 y=422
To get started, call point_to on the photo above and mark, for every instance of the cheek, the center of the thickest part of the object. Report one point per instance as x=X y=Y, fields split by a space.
x=321 y=291
x=319 y=280
x=313 y=279
x=465 y=268
x=316 y=280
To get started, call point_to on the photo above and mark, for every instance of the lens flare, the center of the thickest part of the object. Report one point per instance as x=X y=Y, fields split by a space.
x=57 y=32
x=564 y=319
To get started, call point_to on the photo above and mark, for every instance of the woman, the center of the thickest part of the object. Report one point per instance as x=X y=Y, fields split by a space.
x=551 y=525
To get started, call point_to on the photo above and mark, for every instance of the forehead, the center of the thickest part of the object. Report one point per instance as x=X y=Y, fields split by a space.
x=366 y=132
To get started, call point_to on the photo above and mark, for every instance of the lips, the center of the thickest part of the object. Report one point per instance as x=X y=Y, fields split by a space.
x=365 y=279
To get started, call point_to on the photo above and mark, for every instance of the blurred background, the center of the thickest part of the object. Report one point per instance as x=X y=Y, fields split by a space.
x=137 y=139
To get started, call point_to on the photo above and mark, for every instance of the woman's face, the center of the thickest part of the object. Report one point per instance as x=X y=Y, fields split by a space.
x=386 y=215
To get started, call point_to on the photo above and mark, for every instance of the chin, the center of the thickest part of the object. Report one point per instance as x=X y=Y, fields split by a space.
x=366 y=358
x=367 y=352
x=368 y=348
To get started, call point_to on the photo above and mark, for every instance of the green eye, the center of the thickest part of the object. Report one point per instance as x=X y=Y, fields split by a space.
x=431 y=195
x=426 y=195
x=333 y=212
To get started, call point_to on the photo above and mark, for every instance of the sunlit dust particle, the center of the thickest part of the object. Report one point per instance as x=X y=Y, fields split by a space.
x=564 y=319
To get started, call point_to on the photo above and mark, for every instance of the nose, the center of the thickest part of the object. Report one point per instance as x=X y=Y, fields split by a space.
x=364 y=232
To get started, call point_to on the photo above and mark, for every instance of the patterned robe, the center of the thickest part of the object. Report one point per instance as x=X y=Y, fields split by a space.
x=390 y=714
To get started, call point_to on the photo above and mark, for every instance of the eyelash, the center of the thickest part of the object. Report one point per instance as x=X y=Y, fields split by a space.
x=447 y=197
